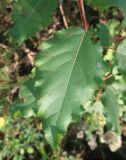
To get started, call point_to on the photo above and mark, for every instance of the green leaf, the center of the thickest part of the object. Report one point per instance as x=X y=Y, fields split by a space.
x=67 y=71
x=26 y=105
x=108 y=3
x=121 y=57
x=104 y=4
x=31 y=16
x=102 y=66
x=112 y=108
x=64 y=81
x=104 y=35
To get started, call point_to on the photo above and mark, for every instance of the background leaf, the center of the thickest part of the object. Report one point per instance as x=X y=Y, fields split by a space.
x=104 y=4
x=30 y=17
x=104 y=35
x=112 y=108
x=108 y=3
x=121 y=57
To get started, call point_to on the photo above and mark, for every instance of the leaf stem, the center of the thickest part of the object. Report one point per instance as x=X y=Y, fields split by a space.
x=108 y=77
x=83 y=15
x=63 y=14
x=100 y=91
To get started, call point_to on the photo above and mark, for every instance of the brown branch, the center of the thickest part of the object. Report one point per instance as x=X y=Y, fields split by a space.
x=99 y=94
x=100 y=91
x=82 y=14
x=3 y=46
x=63 y=15
x=108 y=77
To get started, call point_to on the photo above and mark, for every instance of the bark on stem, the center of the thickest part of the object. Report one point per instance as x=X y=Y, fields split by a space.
x=82 y=14
x=63 y=15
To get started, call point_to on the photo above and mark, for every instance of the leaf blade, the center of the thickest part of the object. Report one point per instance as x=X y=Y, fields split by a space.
x=121 y=57
x=110 y=102
x=75 y=77
x=30 y=17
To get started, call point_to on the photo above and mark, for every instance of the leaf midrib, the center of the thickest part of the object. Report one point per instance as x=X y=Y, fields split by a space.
x=30 y=15
x=71 y=74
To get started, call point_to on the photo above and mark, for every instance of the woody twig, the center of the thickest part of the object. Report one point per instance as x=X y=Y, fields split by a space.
x=82 y=14
x=63 y=15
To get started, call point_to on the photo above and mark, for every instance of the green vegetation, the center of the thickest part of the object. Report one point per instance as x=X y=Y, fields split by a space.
x=62 y=86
